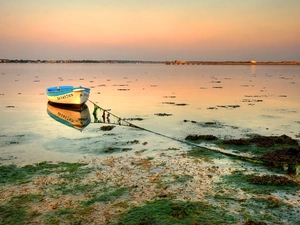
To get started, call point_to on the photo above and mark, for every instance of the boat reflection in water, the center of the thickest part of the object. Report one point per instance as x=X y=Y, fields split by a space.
x=77 y=118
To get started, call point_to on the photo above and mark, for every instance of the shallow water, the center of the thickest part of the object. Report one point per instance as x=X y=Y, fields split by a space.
x=170 y=100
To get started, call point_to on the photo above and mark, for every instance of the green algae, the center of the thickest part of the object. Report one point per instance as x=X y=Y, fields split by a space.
x=105 y=195
x=15 y=211
x=18 y=210
x=166 y=212
x=12 y=174
x=243 y=181
x=233 y=192
x=75 y=188
x=205 y=153
x=71 y=171
x=72 y=216
x=275 y=211
x=168 y=180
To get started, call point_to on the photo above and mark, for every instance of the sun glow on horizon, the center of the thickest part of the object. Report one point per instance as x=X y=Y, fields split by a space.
x=192 y=26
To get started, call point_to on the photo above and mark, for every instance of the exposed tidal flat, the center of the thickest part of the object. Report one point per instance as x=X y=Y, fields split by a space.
x=211 y=144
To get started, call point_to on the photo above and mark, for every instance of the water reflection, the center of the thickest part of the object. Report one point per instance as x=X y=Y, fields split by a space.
x=77 y=118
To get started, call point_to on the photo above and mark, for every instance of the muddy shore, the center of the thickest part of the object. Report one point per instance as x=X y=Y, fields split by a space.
x=198 y=186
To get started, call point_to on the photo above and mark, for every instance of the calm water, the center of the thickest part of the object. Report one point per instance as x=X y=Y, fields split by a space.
x=172 y=100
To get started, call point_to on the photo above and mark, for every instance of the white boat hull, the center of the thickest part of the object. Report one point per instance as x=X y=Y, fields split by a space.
x=68 y=95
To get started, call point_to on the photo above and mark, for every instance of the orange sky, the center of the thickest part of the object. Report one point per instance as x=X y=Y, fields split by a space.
x=150 y=30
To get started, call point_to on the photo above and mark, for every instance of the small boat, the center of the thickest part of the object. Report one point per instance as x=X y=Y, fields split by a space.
x=68 y=95
x=77 y=119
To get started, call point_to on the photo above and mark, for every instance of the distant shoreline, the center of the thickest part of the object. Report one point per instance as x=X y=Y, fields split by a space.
x=231 y=63
x=154 y=62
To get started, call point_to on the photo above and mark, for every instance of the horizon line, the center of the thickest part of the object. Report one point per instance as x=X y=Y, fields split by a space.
x=175 y=62
x=140 y=60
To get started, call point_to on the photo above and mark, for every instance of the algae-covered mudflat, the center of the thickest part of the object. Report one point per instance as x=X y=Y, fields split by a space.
x=200 y=187
x=166 y=145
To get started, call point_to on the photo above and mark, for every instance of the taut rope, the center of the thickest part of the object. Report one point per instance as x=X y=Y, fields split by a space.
x=106 y=118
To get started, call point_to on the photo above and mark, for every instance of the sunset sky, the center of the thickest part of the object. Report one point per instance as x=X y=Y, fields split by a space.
x=218 y=30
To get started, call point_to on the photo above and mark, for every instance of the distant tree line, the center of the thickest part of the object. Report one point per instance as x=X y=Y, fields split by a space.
x=176 y=62
x=75 y=61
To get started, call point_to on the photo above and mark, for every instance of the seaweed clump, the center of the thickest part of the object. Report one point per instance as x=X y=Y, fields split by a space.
x=271 y=180
x=201 y=137
x=286 y=157
x=270 y=141
x=264 y=141
x=163 y=114
x=107 y=128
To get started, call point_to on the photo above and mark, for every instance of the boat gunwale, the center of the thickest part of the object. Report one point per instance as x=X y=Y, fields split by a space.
x=62 y=90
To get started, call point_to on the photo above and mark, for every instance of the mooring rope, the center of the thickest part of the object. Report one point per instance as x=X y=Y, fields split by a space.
x=106 y=119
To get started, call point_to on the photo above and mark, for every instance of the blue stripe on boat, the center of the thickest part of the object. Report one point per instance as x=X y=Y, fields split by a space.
x=61 y=90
